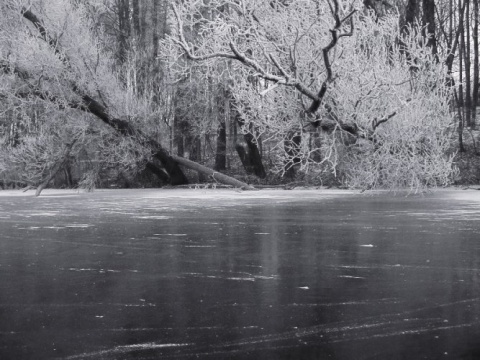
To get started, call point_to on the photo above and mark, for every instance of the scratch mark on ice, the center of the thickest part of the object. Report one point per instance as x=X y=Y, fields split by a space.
x=124 y=349
x=199 y=246
x=171 y=234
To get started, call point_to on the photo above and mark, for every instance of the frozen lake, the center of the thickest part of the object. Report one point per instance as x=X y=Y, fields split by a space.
x=220 y=274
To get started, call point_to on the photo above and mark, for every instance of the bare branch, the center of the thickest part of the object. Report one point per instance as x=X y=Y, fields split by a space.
x=182 y=42
x=326 y=59
x=376 y=123
x=279 y=67
x=264 y=92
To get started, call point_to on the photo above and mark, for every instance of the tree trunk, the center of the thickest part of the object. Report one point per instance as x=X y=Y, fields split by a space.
x=428 y=20
x=250 y=157
x=255 y=156
x=221 y=151
x=410 y=13
x=249 y=152
x=459 y=99
x=49 y=178
x=242 y=152
x=158 y=172
x=144 y=9
x=461 y=147
x=196 y=154
x=475 y=65
x=68 y=174
x=214 y=175
x=179 y=135
x=292 y=144
x=136 y=19
x=123 y=8
x=468 y=79
x=155 y=29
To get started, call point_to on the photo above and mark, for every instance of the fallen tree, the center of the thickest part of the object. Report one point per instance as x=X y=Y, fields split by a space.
x=81 y=100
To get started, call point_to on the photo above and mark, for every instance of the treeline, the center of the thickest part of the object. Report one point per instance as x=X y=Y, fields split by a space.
x=372 y=94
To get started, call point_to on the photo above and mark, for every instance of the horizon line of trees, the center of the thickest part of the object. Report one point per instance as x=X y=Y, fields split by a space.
x=366 y=94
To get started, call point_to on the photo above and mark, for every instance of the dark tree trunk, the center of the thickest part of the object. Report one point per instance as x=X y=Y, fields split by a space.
x=468 y=79
x=475 y=65
x=242 y=152
x=249 y=152
x=460 y=102
x=461 y=147
x=461 y=53
x=123 y=9
x=428 y=20
x=196 y=149
x=68 y=174
x=410 y=13
x=292 y=144
x=315 y=145
x=179 y=138
x=136 y=19
x=250 y=156
x=180 y=141
x=155 y=29
x=144 y=9
x=454 y=40
x=255 y=156
x=221 y=151
x=158 y=172
x=196 y=154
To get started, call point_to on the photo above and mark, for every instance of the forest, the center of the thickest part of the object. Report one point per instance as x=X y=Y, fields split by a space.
x=372 y=94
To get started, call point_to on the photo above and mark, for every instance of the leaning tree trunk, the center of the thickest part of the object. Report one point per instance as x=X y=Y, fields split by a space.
x=49 y=178
x=88 y=104
x=214 y=175
x=176 y=175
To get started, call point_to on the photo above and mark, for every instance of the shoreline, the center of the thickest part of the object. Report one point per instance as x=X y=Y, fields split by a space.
x=206 y=192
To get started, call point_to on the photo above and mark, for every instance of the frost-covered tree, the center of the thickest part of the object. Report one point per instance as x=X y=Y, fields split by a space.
x=330 y=87
x=50 y=52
